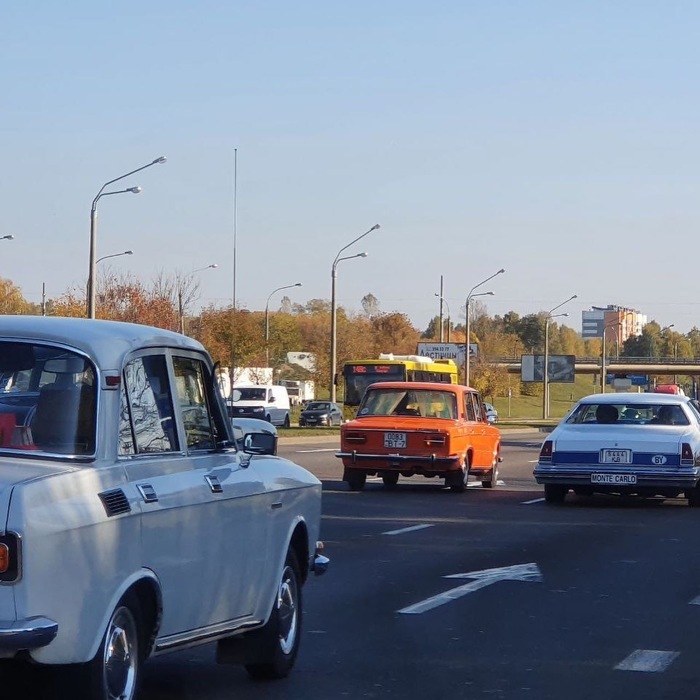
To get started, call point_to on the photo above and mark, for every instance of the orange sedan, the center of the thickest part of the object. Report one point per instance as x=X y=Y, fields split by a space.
x=425 y=428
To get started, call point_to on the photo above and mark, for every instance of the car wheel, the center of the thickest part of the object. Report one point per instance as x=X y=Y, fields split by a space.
x=287 y=422
x=390 y=479
x=492 y=481
x=355 y=479
x=115 y=672
x=553 y=493
x=693 y=496
x=457 y=480
x=279 y=638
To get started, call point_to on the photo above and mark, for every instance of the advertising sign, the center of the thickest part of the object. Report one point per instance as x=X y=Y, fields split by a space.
x=447 y=351
x=560 y=368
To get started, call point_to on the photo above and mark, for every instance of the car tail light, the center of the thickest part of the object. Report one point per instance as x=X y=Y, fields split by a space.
x=435 y=440
x=358 y=438
x=546 y=451
x=687 y=456
x=9 y=558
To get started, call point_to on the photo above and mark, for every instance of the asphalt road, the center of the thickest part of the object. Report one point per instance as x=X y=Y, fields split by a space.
x=595 y=599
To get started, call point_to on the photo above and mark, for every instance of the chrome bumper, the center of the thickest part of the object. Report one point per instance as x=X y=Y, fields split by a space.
x=581 y=475
x=319 y=563
x=395 y=457
x=24 y=635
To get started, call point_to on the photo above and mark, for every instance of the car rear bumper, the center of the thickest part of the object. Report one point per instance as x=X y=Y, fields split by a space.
x=25 y=635
x=580 y=475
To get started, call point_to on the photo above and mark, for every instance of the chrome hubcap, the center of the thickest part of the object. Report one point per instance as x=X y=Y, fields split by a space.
x=287 y=610
x=120 y=656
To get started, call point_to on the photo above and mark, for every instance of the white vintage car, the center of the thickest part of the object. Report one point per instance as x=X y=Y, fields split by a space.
x=130 y=525
x=626 y=443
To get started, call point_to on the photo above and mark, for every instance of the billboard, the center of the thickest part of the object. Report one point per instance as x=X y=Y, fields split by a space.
x=560 y=368
x=447 y=351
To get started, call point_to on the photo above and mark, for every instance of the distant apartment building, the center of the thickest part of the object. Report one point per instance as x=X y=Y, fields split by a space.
x=617 y=322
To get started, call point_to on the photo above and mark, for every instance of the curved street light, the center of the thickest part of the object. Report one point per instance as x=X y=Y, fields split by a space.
x=469 y=298
x=114 y=255
x=93 y=227
x=8 y=237
x=267 y=319
x=333 y=309
x=449 y=315
x=545 y=369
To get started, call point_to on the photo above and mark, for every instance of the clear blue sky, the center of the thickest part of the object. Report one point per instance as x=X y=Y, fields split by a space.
x=558 y=140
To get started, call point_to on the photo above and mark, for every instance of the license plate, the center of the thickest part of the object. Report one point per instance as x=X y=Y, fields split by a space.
x=614 y=479
x=394 y=439
x=615 y=457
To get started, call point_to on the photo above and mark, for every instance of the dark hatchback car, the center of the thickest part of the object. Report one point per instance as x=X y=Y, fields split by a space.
x=321 y=413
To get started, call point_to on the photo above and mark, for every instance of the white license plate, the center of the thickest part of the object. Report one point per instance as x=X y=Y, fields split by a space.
x=614 y=479
x=394 y=439
x=615 y=457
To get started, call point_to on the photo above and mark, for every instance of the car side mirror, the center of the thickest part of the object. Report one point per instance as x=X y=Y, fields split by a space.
x=260 y=443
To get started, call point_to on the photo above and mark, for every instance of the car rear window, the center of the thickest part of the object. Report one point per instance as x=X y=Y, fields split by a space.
x=409 y=402
x=628 y=414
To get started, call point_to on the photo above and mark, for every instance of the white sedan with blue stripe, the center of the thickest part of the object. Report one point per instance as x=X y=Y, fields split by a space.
x=627 y=444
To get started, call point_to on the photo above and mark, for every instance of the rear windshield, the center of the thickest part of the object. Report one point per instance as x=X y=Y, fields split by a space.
x=629 y=413
x=47 y=400
x=250 y=394
x=409 y=402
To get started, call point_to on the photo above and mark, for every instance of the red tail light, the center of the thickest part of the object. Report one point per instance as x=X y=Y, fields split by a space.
x=358 y=438
x=9 y=558
x=687 y=456
x=546 y=451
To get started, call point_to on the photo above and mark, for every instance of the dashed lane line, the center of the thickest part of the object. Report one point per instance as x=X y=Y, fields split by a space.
x=648 y=661
x=412 y=528
x=534 y=500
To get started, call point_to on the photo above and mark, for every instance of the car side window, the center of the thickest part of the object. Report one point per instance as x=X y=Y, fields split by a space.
x=146 y=423
x=193 y=384
x=469 y=408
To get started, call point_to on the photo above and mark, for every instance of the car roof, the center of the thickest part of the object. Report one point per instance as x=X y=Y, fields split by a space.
x=105 y=341
x=432 y=386
x=636 y=398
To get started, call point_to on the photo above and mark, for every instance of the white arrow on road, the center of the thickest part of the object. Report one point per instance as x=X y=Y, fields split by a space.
x=485 y=577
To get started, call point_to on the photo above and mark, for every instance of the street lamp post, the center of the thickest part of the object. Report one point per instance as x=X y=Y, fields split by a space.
x=114 y=255
x=545 y=369
x=93 y=228
x=469 y=298
x=333 y=309
x=267 y=319
x=8 y=237
x=449 y=315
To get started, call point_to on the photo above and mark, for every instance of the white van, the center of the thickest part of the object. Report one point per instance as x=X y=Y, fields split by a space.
x=268 y=402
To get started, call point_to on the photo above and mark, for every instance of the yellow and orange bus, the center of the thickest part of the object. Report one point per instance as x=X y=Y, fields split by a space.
x=359 y=374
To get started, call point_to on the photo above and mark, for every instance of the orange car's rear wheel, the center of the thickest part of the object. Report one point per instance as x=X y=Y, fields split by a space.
x=390 y=479
x=355 y=479
x=457 y=480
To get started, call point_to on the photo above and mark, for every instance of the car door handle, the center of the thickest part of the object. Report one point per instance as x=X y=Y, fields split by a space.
x=214 y=484
x=148 y=493
x=276 y=504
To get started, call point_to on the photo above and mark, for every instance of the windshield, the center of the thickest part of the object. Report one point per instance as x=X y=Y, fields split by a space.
x=47 y=400
x=250 y=394
x=403 y=402
x=317 y=406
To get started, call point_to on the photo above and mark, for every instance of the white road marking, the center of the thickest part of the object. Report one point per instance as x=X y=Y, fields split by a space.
x=648 y=661
x=474 y=484
x=534 y=500
x=413 y=528
x=695 y=601
x=485 y=577
x=320 y=449
x=532 y=461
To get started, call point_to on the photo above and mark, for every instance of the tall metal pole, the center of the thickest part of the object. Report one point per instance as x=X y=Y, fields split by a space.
x=603 y=377
x=442 y=336
x=267 y=319
x=93 y=228
x=545 y=377
x=469 y=296
x=333 y=306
